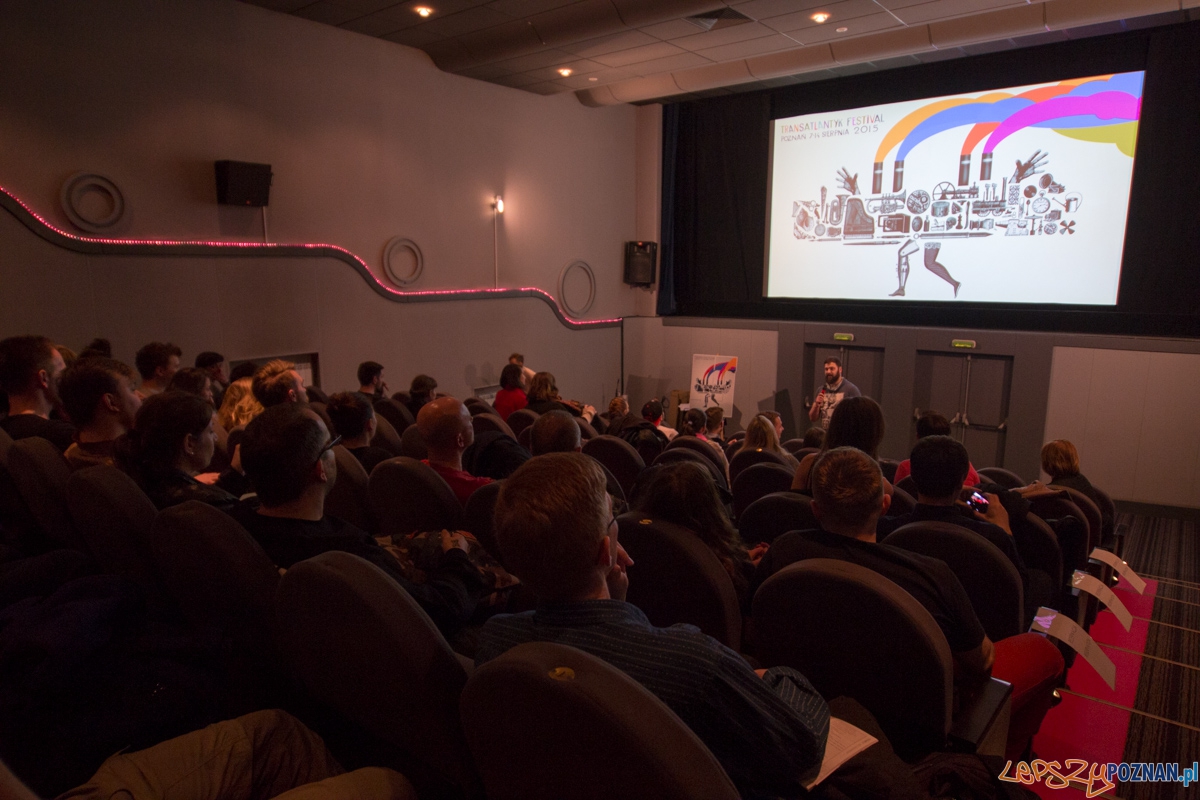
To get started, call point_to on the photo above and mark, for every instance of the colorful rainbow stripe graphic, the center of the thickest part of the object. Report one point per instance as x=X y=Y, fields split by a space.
x=1105 y=108
x=720 y=369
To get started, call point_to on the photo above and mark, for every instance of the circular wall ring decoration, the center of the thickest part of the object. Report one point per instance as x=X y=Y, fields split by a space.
x=562 y=283
x=403 y=262
x=92 y=202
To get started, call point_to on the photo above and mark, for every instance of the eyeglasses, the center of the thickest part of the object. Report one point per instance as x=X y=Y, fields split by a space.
x=334 y=442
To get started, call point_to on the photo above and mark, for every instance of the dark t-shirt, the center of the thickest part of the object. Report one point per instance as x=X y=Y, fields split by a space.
x=370 y=456
x=958 y=515
x=175 y=487
x=546 y=406
x=829 y=399
x=448 y=596
x=22 y=426
x=928 y=580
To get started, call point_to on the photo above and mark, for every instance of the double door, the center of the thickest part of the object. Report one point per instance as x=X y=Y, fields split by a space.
x=972 y=391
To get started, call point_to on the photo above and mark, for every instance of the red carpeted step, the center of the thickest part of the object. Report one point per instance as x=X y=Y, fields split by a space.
x=1082 y=728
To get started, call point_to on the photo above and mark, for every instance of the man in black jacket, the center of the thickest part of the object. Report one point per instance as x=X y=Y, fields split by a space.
x=288 y=455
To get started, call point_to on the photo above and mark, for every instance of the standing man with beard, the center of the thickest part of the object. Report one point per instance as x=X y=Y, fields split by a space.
x=835 y=390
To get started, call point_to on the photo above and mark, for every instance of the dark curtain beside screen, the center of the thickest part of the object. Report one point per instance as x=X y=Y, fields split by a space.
x=715 y=176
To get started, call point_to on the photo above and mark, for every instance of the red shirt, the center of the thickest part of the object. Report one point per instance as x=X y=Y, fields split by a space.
x=509 y=400
x=905 y=469
x=462 y=483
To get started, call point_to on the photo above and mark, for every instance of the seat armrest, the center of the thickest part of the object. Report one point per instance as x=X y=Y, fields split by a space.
x=981 y=726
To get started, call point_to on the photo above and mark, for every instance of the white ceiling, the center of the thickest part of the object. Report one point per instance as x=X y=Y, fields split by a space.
x=642 y=50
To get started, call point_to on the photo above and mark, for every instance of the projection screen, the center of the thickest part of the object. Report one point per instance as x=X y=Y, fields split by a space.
x=1016 y=195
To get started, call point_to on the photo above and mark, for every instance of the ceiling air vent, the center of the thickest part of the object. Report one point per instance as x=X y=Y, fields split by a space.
x=712 y=20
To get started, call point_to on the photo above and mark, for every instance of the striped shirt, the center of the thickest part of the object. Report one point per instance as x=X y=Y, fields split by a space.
x=768 y=733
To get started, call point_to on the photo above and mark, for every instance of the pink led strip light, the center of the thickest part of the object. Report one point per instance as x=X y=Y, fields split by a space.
x=363 y=267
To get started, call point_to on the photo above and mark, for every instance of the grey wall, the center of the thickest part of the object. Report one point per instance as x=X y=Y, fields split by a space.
x=1132 y=416
x=658 y=358
x=1128 y=403
x=367 y=139
x=255 y=307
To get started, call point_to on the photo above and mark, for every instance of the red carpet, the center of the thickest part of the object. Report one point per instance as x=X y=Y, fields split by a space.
x=1085 y=728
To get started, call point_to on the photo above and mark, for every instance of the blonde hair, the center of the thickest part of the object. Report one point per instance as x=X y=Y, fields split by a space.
x=760 y=435
x=618 y=406
x=239 y=405
x=1060 y=459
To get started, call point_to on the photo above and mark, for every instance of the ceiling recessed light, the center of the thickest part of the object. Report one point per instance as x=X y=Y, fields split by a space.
x=842 y=30
x=424 y=11
x=565 y=71
x=820 y=17
x=593 y=79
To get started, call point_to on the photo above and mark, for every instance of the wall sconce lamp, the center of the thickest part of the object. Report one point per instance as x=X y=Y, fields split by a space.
x=497 y=210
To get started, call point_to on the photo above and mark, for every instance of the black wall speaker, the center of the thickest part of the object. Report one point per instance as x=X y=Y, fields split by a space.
x=640 y=261
x=243 y=184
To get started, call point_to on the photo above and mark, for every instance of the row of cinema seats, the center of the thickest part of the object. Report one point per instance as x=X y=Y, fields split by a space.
x=202 y=565
x=677 y=579
x=340 y=631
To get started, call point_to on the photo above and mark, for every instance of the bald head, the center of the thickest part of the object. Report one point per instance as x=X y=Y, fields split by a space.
x=445 y=425
x=555 y=432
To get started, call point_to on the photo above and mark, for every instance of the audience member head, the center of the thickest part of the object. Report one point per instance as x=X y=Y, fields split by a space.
x=99 y=398
x=97 y=347
x=542 y=387
x=214 y=364
x=555 y=432
x=833 y=371
x=760 y=435
x=353 y=418
x=157 y=363
x=172 y=431
x=244 y=370
x=238 y=406
x=370 y=376
x=193 y=380
x=553 y=524
x=278 y=382
x=618 y=407
x=68 y=355
x=715 y=423
x=695 y=422
x=420 y=391
x=445 y=425
x=856 y=422
x=776 y=420
x=814 y=437
x=939 y=467
x=517 y=359
x=931 y=423
x=652 y=411
x=848 y=496
x=1060 y=459
x=512 y=377
x=685 y=494
x=30 y=370
x=287 y=455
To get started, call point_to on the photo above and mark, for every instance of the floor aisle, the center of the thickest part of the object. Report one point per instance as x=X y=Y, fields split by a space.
x=1153 y=713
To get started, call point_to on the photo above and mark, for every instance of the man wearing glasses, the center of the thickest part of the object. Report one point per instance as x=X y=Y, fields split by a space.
x=287 y=453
